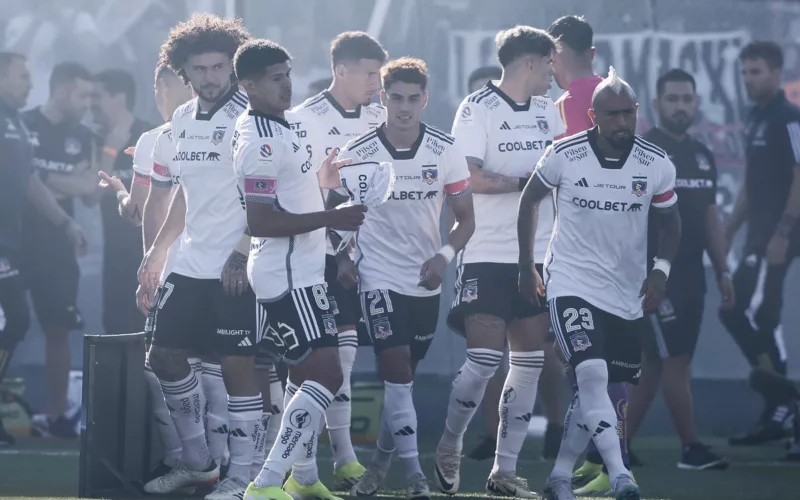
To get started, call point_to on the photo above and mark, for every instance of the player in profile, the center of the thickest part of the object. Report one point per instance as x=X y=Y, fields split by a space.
x=608 y=181
x=502 y=129
x=326 y=121
x=401 y=309
x=287 y=219
x=205 y=305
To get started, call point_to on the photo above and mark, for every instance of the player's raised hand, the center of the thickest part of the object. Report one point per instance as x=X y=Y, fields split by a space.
x=653 y=290
x=347 y=273
x=431 y=273
x=328 y=173
x=149 y=273
x=347 y=218
x=110 y=183
x=234 y=274
x=531 y=286
x=130 y=150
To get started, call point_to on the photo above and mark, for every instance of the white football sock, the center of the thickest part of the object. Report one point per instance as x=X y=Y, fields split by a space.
x=299 y=426
x=599 y=415
x=398 y=404
x=516 y=409
x=260 y=453
x=304 y=469
x=576 y=437
x=166 y=427
x=337 y=418
x=186 y=402
x=384 y=448
x=467 y=394
x=244 y=414
x=276 y=407
x=216 y=416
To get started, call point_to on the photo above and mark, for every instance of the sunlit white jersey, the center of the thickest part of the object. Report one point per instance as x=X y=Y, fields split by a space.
x=323 y=124
x=273 y=167
x=161 y=157
x=203 y=161
x=507 y=138
x=143 y=155
x=599 y=246
x=400 y=235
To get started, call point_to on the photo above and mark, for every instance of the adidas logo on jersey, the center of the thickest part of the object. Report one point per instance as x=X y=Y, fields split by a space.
x=582 y=183
x=245 y=343
x=505 y=126
x=334 y=131
x=183 y=135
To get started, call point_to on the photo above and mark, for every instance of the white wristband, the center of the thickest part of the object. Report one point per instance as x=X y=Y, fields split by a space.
x=121 y=194
x=662 y=265
x=448 y=252
x=243 y=246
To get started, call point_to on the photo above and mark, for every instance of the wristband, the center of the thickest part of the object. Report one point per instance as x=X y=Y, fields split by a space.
x=243 y=247
x=110 y=151
x=448 y=252
x=121 y=194
x=523 y=181
x=662 y=265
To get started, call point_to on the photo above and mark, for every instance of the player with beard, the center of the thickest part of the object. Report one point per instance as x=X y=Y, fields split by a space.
x=286 y=216
x=608 y=181
x=670 y=343
x=327 y=121
x=205 y=305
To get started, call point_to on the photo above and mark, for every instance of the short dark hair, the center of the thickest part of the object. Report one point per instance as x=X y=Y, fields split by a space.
x=201 y=34
x=253 y=58
x=485 y=73
x=356 y=45
x=119 y=81
x=6 y=58
x=522 y=40
x=405 y=69
x=66 y=73
x=673 y=75
x=573 y=31
x=770 y=52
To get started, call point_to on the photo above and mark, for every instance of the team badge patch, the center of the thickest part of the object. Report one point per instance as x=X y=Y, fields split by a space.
x=334 y=305
x=266 y=151
x=430 y=175
x=217 y=137
x=72 y=146
x=580 y=342
x=544 y=127
x=469 y=292
x=466 y=112
x=329 y=323
x=639 y=187
x=381 y=329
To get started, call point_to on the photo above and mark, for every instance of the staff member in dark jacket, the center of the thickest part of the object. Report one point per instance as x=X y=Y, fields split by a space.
x=769 y=201
x=18 y=183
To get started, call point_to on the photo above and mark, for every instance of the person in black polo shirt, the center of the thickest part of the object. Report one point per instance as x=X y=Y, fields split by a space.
x=769 y=201
x=63 y=157
x=671 y=342
x=18 y=184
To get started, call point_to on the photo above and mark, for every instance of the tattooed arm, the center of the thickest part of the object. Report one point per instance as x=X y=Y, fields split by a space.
x=234 y=274
x=486 y=182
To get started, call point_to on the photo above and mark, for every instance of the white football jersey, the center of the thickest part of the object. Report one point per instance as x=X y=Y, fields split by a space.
x=599 y=247
x=272 y=166
x=507 y=138
x=162 y=154
x=400 y=235
x=203 y=161
x=323 y=124
x=143 y=155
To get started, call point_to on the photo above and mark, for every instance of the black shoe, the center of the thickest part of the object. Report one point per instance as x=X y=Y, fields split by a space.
x=63 y=427
x=6 y=439
x=771 y=427
x=552 y=441
x=633 y=460
x=698 y=456
x=484 y=450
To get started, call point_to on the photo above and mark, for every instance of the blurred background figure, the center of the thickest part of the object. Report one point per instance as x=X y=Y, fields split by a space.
x=318 y=86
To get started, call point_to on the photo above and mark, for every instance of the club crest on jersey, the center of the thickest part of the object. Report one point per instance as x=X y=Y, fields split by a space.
x=219 y=134
x=702 y=162
x=638 y=187
x=469 y=293
x=72 y=146
x=329 y=324
x=466 y=112
x=580 y=342
x=266 y=151
x=381 y=329
x=544 y=127
x=430 y=175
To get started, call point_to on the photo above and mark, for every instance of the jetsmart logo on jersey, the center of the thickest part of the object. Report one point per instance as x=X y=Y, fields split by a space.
x=508 y=147
x=413 y=195
x=197 y=156
x=607 y=206
x=521 y=126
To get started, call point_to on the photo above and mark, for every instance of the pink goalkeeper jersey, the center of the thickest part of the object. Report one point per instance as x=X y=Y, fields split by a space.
x=575 y=102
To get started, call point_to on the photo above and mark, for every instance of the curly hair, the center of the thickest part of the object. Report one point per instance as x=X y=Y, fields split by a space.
x=407 y=70
x=202 y=33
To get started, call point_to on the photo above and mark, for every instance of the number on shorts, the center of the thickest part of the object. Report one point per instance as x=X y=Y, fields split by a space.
x=287 y=339
x=375 y=296
x=168 y=287
x=587 y=323
x=321 y=297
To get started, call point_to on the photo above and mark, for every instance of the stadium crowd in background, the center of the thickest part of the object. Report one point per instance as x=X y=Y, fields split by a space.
x=228 y=234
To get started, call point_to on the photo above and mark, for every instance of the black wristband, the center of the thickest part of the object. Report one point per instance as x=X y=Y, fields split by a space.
x=523 y=181
x=786 y=225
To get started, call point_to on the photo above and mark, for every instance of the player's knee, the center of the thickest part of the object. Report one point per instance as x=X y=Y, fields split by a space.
x=592 y=377
x=485 y=331
x=483 y=362
x=168 y=364
x=529 y=334
x=322 y=366
x=394 y=365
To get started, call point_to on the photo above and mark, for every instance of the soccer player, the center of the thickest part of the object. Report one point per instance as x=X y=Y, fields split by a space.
x=608 y=180
x=20 y=184
x=63 y=155
x=503 y=129
x=769 y=201
x=286 y=216
x=401 y=309
x=327 y=121
x=670 y=343
x=205 y=305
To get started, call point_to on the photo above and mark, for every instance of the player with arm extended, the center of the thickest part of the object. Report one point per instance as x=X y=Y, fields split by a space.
x=287 y=218
x=608 y=180
x=400 y=308
x=503 y=130
x=327 y=121
x=205 y=305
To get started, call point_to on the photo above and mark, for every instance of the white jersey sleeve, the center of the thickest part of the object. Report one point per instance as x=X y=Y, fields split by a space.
x=549 y=169
x=547 y=212
x=256 y=162
x=456 y=179
x=162 y=173
x=665 y=197
x=469 y=129
x=143 y=156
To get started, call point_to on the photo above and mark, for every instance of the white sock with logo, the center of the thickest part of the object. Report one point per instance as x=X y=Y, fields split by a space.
x=276 y=399
x=245 y=419
x=398 y=403
x=384 y=448
x=337 y=418
x=216 y=416
x=186 y=403
x=576 y=437
x=166 y=427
